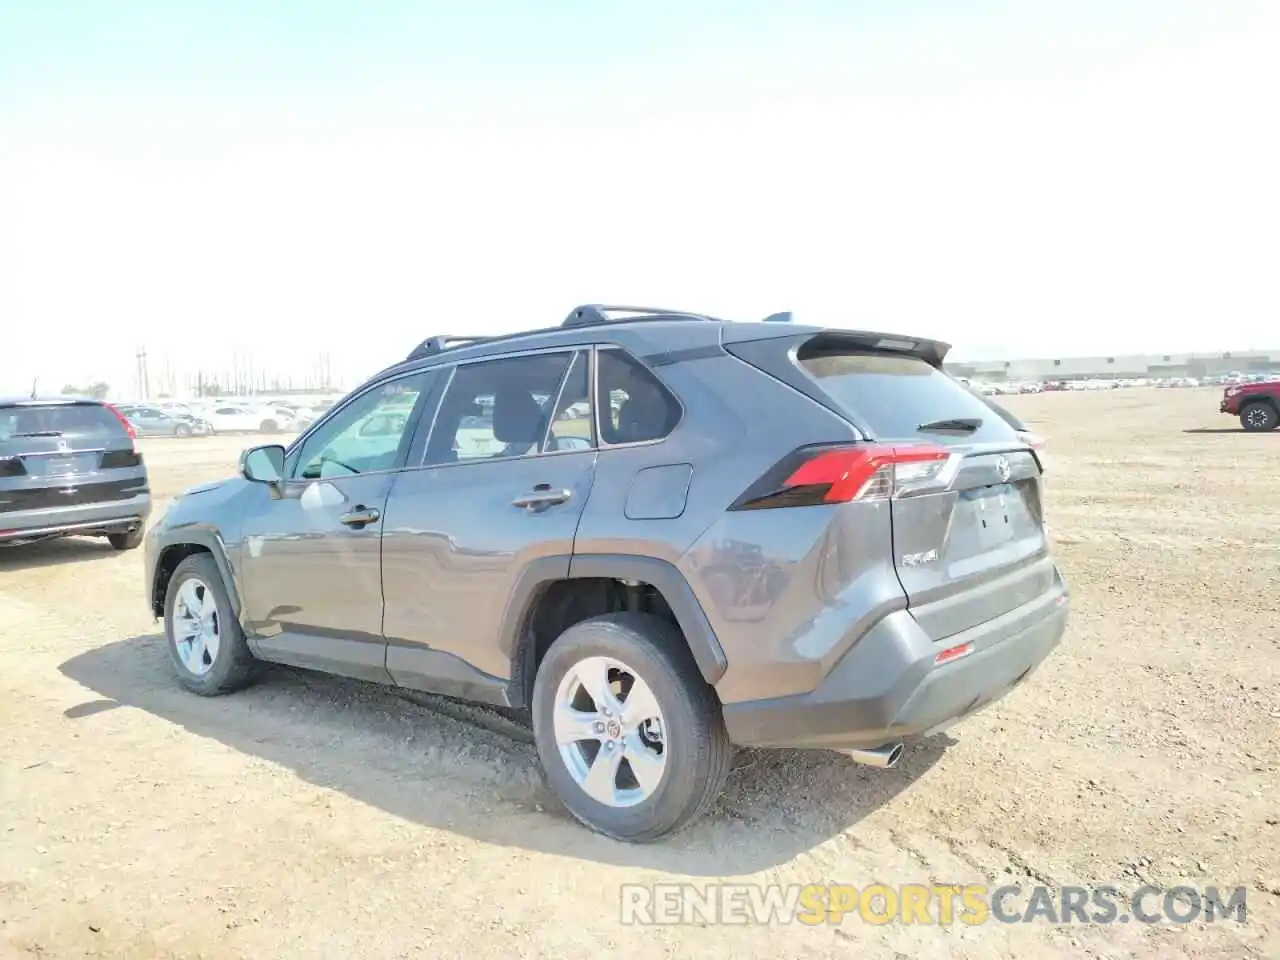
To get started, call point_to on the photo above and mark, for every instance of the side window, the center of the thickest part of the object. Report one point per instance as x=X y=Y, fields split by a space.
x=634 y=405
x=365 y=435
x=571 y=427
x=496 y=408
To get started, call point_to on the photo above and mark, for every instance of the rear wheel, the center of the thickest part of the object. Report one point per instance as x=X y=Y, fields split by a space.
x=126 y=541
x=182 y=430
x=206 y=644
x=269 y=426
x=629 y=735
x=1258 y=416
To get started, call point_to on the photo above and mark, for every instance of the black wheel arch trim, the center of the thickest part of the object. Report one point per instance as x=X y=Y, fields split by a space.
x=207 y=539
x=1254 y=398
x=665 y=577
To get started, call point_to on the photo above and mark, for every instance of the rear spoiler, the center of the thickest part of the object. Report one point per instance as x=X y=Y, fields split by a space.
x=932 y=352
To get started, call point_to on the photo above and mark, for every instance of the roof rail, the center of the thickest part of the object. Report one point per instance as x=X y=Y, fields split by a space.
x=595 y=313
x=441 y=342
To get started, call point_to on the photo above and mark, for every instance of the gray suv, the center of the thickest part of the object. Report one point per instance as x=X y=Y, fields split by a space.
x=69 y=467
x=660 y=533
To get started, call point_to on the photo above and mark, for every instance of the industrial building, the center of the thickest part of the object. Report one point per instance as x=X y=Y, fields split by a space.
x=1120 y=367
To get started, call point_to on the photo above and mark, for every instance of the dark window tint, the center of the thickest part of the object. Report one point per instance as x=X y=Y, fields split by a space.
x=79 y=422
x=894 y=395
x=634 y=405
x=497 y=408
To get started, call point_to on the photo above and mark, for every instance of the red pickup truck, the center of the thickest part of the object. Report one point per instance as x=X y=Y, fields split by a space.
x=1256 y=404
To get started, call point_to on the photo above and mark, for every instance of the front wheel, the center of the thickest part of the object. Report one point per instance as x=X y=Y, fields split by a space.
x=206 y=644
x=268 y=426
x=182 y=430
x=629 y=735
x=1259 y=416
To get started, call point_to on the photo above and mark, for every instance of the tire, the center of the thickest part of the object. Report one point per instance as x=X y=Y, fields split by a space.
x=230 y=665
x=1259 y=416
x=126 y=541
x=695 y=749
x=268 y=426
x=182 y=430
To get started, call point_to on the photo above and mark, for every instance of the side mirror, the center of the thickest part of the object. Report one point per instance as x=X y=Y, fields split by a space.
x=263 y=464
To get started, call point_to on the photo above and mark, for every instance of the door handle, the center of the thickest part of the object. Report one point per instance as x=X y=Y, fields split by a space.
x=360 y=517
x=542 y=496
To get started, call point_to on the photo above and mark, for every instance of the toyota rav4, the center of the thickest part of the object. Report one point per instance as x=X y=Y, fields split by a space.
x=660 y=533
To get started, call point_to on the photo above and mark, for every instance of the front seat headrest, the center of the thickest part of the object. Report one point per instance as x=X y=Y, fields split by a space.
x=517 y=417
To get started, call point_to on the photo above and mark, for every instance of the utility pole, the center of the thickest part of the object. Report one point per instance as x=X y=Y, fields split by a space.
x=143 y=385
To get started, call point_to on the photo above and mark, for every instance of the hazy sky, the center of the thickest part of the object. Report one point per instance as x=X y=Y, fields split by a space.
x=1017 y=178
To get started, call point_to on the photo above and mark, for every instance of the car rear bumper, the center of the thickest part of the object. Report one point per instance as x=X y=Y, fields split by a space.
x=889 y=687
x=88 y=519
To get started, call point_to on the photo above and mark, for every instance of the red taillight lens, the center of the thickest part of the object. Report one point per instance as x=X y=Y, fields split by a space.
x=124 y=422
x=1036 y=443
x=850 y=472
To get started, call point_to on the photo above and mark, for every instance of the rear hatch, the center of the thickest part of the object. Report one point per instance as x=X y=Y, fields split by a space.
x=964 y=484
x=65 y=453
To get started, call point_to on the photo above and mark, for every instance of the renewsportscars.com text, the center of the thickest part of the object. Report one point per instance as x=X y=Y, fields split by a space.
x=925 y=904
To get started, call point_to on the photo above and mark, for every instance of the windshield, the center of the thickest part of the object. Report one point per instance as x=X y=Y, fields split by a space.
x=896 y=395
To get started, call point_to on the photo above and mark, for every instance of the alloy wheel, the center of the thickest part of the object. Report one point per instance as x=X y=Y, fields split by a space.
x=610 y=732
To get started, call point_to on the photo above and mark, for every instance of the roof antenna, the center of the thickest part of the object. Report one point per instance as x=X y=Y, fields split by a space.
x=784 y=317
x=34 y=383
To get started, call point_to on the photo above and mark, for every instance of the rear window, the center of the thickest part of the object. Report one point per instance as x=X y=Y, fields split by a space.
x=893 y=395
x=80 y=421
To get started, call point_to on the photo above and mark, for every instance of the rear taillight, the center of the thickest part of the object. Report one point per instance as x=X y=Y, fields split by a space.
x=120 y=459
x=124 y=422
x=850 y=473
x=1036 y=443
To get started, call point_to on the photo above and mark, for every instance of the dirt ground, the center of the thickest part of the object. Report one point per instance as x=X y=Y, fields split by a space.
x=320 y=817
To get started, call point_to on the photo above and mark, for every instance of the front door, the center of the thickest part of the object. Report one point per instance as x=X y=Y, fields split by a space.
x=506 y=473
x=311 y=551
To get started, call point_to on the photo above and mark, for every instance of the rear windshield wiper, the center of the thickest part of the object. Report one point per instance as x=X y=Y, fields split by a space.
x=38 y=433
x=959 y=424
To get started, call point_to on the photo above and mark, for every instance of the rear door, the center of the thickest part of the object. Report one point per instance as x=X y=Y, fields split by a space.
x=501 y=486
x=977 y=548
x=65 y=454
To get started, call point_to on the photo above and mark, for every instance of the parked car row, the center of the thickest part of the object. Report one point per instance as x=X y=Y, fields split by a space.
x=201 y=417
x=1008 y=387
x=155 y=422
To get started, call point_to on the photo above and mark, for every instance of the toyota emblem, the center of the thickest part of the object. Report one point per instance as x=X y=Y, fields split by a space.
x=1003 y=470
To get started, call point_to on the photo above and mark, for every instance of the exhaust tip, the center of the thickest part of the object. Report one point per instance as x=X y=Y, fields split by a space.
x=883 y=757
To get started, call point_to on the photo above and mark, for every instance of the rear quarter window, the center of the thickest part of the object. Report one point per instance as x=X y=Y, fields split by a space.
x=894 y=394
